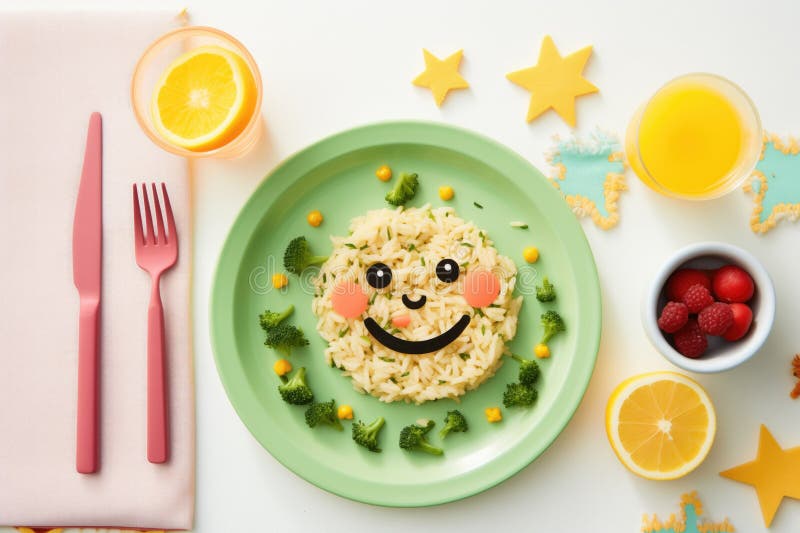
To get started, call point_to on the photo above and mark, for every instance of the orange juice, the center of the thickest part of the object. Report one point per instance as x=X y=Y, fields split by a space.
x=698 y=137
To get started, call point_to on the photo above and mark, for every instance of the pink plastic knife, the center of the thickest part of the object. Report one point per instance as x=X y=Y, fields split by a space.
x=87 y=253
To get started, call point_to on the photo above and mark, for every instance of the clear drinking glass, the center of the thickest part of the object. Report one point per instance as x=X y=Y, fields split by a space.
x=698 y=137
x=155 y=60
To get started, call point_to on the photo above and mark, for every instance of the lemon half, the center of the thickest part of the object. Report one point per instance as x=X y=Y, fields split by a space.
x=661 y=425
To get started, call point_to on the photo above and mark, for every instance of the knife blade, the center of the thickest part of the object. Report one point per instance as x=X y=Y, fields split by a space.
x=87 y=251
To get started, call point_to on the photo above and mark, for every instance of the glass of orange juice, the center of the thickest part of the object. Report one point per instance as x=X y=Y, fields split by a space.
x=196 y=92
x=698 y=137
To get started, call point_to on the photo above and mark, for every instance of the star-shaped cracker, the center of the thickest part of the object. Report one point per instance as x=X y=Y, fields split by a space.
x=590 y=175
x=775 y=184
x=775 y=474
x=441 y=76
x=689 y=522
x=555 y=81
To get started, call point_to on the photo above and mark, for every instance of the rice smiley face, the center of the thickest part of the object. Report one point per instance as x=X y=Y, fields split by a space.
x=416 y=304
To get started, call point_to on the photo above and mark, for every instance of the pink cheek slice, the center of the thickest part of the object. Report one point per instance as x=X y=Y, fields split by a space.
x=348 y=300
x=481 y=288
x=401 y=321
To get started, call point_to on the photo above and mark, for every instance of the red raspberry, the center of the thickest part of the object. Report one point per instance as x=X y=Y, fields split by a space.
x=690 y=340
x=673 y=317
x=697 y=298
x=715 y=319
x=732 y=284
x=680 y=281
x=742 y=318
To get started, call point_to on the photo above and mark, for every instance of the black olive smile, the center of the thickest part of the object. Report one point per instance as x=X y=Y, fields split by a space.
x=416 y=347
x=411 y=304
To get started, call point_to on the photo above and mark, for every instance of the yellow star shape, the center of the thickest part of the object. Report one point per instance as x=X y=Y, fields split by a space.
x=555 y=81
x=441 y=76
x=775 y=474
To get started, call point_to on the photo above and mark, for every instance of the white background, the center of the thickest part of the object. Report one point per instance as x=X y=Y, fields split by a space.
x=328 y=66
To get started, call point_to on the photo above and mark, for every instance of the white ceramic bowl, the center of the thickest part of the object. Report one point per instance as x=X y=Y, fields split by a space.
x=721 y=355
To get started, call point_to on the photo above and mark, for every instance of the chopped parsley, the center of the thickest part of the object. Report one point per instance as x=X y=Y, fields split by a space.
x=422 y=260
x=386 y=359
x=468 y=245
x=520 y=225
x=364 y=247
x=350 y=245
x=344 y=332
x=464 y=356
x=404 y=374
x=411 y=247
x=476 y=204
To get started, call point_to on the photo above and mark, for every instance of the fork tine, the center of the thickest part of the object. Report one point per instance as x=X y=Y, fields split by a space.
x=148 y=216
x=173 y=231
x=137 y=218
x=162 y=234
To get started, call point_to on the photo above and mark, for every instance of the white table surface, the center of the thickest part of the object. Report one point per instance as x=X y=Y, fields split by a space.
x=328 y=66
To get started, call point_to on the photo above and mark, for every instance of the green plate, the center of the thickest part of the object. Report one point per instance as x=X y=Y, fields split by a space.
x=337 y=176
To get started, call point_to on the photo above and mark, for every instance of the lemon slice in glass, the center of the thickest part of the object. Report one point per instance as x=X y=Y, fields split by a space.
x=204 y=99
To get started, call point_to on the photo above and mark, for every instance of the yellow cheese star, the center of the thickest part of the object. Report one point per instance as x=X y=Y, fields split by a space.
x=441 y=76
x=775 y=474
x=555 y=81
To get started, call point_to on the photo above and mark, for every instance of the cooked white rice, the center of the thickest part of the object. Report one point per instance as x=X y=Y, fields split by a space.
x=411 y=242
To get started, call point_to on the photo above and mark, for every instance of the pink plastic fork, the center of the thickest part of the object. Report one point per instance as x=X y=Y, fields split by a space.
x=155 y=253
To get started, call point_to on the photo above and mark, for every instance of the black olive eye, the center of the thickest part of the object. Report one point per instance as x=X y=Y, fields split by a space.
x=447 y=270
x=379 y=275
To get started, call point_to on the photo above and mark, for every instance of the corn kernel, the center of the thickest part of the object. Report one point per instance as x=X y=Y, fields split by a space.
x=493 y=414
x=279 y=280
x=314 y=218
x=541 y=351
x=384 y=173
x=282 y=367
x=446 y=192
x=344 y=412
x=530 y=254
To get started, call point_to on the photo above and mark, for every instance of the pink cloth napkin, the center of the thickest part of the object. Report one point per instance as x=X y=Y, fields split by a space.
x=57 y=68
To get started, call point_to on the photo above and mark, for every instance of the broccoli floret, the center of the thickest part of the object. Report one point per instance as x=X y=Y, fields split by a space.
x=528 y=370
x=552 y=324
x=404 y=189
x=546 y=292
x=366 y=435
x=270 y=319
x=296 y=391
x=323 y=413
x=284 y=337
x=298 y=256
x=454 y=421
x=413 y=438
x=519 y=395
